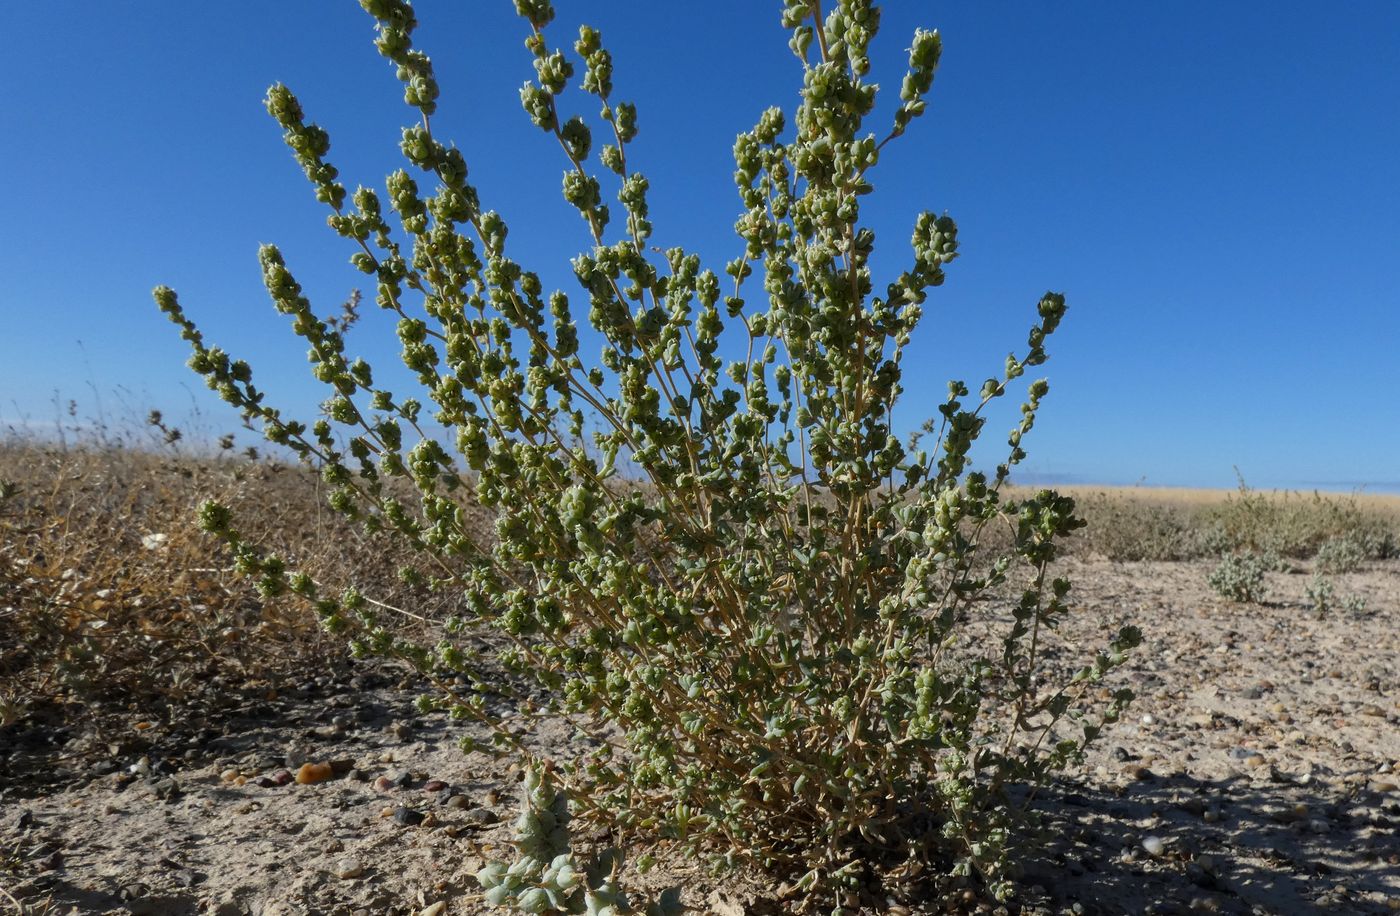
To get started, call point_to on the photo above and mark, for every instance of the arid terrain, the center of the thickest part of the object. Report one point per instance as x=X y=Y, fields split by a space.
x=1256 y=773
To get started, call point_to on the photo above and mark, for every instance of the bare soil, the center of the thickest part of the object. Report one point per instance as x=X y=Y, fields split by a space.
x=1256 y=773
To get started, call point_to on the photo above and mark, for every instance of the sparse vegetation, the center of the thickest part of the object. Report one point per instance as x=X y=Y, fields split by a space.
x=1240 y=577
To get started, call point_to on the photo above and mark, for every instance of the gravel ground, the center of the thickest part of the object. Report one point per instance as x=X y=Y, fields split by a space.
x=1256 y=773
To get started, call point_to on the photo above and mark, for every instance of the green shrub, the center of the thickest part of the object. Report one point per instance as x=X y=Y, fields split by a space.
x=710 y=548
x=1321 y=593
x=1240 y=577
x=1293 y=525
x=1341 y=555
x=1354 y=604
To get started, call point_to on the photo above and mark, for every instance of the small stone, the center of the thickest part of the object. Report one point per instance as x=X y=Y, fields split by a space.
x=1154 y=845
x=1211 y=815
x=346 y=869
x=383 y=784
x=1253 y=761
x=282 y=777
x=407 y=817
x=1138 y=771
x=314 y=772
x=1319 y=826
x=400 y=730
x=434 y=909
x=481 y=817
x=457 y=802
x=1383 y=786
x=434 y=785
x=229 y=775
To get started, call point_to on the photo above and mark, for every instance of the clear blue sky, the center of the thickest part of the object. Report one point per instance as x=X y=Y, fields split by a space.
x=1216 y=187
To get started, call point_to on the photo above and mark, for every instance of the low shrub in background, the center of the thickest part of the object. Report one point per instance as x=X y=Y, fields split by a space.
x=755 y=625
x=1298 y=526
x=1240 y=577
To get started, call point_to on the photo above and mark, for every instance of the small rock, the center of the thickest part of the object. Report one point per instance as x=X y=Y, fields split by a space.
x=1193 y=806
x=434 y=909
x=347 y=869
x=481 y=817
x=434 y=785
x=407 y=817
x=281 y=777
x=131 y=892
x=1154 y=845
x=165 y=789
x=1138 y=771
x=383 y=784
x=314 y=772
x=457 y=802
x=1383 y=786
x=400 y=730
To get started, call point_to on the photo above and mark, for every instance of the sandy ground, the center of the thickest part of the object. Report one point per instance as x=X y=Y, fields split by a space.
x=1255 y=774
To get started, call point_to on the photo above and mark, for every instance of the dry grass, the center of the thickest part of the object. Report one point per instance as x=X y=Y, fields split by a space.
x=1141 y=523
x=110 y=592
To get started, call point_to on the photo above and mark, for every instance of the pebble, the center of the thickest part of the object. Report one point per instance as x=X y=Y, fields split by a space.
x=383 y=784
x=349 y=868
x=1382 y=786
x=407 y=817
x=314 y=772
x=457 y=802
x=400 y=730
x=434 y=909
x=1138 y=771
x=434 y=785
x=480 y=817
x=282 y=777
x=1154 y=845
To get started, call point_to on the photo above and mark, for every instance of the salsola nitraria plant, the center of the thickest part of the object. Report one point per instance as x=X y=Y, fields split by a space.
x=709 y=539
